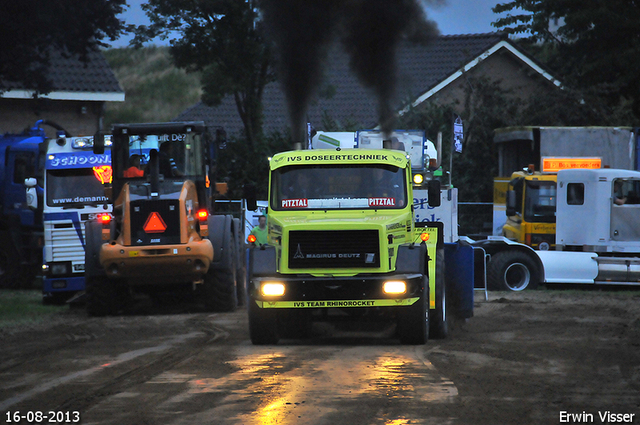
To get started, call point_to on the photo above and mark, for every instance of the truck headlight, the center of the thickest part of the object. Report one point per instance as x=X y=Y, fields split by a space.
x=418 y=179
x=272 y=289
x=58 y=268
x=394 y=287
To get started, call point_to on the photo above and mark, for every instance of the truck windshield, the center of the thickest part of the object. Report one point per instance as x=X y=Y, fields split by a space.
x=338 y=187
x=74 y=187
x=540 y=202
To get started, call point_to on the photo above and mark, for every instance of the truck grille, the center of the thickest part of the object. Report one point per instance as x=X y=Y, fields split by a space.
x=334 y=249
x=65 y=243
x=167 y=209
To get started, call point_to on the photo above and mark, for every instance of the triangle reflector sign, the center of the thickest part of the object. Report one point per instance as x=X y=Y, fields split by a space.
x=154 y=224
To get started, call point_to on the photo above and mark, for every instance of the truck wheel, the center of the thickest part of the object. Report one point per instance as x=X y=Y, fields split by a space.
x=439 y=317
x=413 y=321
x=512 y=271
x=263 y=325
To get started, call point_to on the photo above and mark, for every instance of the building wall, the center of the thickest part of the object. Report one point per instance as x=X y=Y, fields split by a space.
x=79 y=118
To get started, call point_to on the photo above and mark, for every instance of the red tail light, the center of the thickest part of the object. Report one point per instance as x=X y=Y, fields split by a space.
x=104 y=218
x=202 y=215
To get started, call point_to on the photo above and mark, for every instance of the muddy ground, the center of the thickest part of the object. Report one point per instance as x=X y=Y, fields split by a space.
x=538 y=357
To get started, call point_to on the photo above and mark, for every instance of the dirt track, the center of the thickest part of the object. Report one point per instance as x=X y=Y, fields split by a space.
x=525 y=358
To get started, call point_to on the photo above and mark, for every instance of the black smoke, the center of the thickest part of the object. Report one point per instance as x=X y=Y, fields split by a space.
x=369 y=30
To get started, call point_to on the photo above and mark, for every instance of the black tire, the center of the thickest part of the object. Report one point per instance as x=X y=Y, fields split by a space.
x=104 y=296
x=241 y=269
x=439 y=317
x=93 y=242
x=220 y=292
x=512 y=271
x=263 y=325
x=413 y=321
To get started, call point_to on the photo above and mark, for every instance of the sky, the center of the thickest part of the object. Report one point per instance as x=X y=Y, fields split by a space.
x=452 y=17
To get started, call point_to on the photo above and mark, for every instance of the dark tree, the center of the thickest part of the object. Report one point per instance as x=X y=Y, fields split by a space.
x=30 y=30
x=222 y=39
x=593 y=44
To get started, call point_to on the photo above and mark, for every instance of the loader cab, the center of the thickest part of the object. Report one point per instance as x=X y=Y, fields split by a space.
x=155 y=159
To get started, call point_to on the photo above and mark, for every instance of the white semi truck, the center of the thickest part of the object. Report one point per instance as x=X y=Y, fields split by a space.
x=598 y=235
x=73 y=194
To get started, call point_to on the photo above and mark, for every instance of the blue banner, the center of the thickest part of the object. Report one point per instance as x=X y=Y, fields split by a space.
x=58 y=161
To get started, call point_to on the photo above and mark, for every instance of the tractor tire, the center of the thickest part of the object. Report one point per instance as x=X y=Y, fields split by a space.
x=220 y=292
x=263 y=325
x=104 y=296
x=93 y=242
x=512 y=271
x=413 y=321
x=439 y=317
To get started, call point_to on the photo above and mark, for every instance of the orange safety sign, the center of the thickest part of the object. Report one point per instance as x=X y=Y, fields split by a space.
x=154 y=224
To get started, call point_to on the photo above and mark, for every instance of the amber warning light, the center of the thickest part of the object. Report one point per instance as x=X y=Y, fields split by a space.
x=555 y=164
x=252 y=238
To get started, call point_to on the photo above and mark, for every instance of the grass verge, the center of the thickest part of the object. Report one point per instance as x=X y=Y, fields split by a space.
x=24 y=307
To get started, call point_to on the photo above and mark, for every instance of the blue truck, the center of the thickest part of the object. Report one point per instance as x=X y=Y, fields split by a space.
x=21 y=192
x=28 y=160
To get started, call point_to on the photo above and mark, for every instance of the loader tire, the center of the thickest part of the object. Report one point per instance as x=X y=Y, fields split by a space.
x=413 y=321
x=439 y=317
x=219 y=290
x=220 y=293
x=512 y=271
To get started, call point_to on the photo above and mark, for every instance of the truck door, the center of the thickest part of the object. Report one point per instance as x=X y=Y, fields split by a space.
x=625 y=207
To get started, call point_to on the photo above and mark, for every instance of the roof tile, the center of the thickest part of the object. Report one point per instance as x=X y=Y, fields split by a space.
x=420 y=68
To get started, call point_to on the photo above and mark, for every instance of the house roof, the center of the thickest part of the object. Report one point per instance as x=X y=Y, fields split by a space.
x=423 y=70
x=74 y=79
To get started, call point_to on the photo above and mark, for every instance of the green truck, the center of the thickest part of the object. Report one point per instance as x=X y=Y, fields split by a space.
x=343 y=245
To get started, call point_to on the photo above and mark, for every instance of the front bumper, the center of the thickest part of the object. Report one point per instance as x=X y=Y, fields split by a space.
x=337 y=292
x=158 y=264
x=63 y=284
